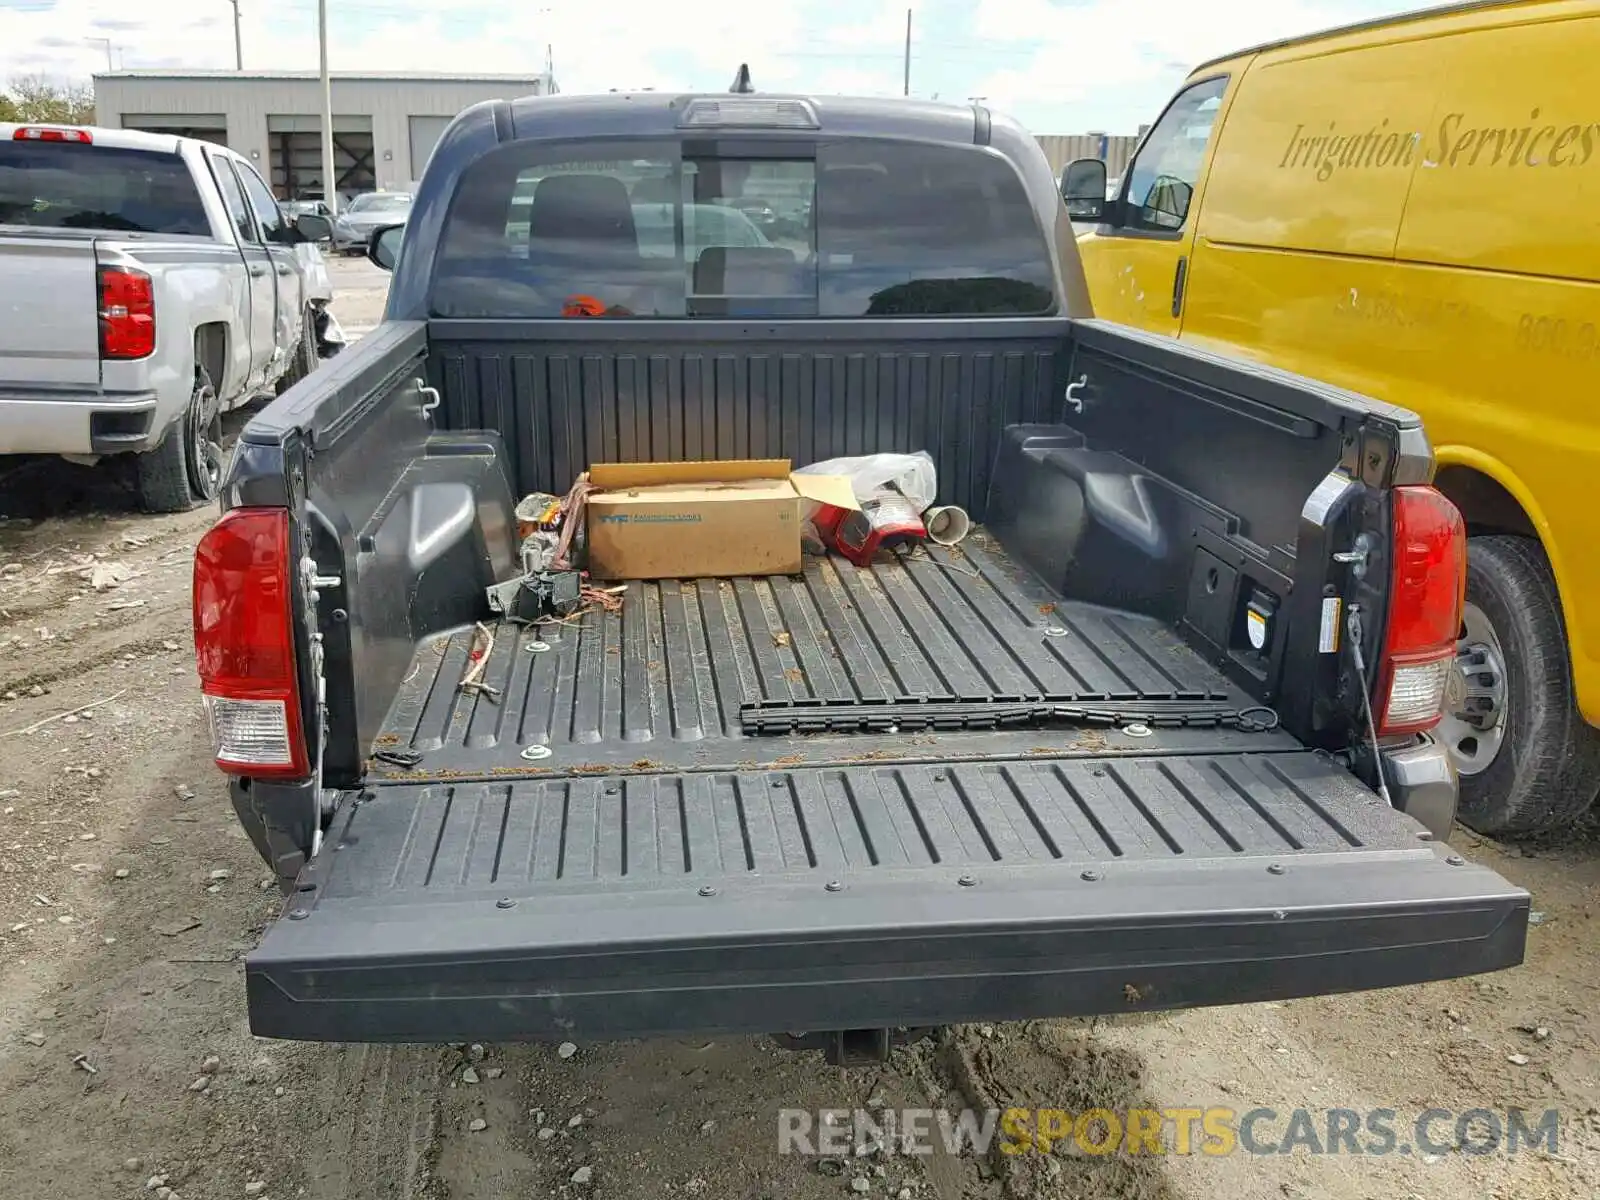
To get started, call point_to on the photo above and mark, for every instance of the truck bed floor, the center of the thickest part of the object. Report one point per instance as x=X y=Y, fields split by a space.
x=661 y=685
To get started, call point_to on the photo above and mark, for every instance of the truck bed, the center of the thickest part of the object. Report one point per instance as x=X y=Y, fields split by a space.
x=670 y=681
x=664 y=871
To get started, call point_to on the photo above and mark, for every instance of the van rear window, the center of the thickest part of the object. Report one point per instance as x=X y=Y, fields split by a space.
x=680 y=228
x=69 y=185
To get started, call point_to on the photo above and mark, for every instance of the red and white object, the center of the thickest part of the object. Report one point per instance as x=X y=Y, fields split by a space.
x=885 y=523
x=127 y=313
x=244 y=645
x=1426 y=597
x=48 y=133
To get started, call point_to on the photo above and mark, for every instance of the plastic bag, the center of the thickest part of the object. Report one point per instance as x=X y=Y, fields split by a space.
x=874 y=475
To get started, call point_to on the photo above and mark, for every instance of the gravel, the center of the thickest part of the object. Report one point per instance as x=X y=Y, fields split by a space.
x=583 y=1175
x=477 y=1125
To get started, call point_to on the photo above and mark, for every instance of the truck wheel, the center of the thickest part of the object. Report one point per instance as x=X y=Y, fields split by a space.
x=1528 y=760
x=306 y=359
x=186 y=468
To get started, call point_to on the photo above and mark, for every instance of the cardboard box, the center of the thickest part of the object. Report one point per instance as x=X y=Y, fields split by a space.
x=692 y=520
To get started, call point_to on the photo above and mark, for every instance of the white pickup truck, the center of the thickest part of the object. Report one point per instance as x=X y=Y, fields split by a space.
x=148 y=284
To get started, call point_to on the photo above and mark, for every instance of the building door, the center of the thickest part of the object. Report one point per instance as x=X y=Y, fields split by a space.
x=294 y=151
x=207 y=127
x=425 y=133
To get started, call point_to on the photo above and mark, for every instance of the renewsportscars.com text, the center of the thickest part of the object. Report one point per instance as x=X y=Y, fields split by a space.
x=1215 y=1131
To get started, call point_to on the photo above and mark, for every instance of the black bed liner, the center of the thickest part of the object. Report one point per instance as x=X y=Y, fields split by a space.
x=660 y=872
x=864 y=896
x=671 y=680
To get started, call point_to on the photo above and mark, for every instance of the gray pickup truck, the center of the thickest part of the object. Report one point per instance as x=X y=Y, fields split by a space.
x=1155 y=736
x=148 y=284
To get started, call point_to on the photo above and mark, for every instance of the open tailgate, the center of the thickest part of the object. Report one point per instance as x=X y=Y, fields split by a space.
x=864 y=896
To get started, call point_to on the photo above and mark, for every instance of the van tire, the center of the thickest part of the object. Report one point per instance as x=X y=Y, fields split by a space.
x=175 y=476
x=1548 y=766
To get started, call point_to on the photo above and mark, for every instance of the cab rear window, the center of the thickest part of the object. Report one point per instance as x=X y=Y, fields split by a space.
x=70 y=185
x=680 y=228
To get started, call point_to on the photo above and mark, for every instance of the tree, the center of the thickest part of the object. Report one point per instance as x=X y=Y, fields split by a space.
x=35 y=98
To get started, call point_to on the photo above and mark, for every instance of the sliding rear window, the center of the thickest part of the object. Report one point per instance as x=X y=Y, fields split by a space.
x=73 y=185
x=727 y=228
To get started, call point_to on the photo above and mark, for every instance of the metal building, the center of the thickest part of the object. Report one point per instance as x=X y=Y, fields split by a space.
x=1115 y=149
x=384 y=125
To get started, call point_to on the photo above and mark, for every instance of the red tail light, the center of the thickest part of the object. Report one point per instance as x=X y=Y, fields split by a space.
x=38 y=133
x=127 y=313
x=244 y=644
x=1429 y=587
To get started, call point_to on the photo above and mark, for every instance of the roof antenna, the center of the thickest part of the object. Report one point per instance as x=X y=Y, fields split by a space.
x=741 y=81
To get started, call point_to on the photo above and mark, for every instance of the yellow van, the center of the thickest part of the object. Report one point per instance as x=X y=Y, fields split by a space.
x=1411 y=208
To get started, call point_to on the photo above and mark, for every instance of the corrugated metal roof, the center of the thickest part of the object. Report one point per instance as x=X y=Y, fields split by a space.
x=347 y=76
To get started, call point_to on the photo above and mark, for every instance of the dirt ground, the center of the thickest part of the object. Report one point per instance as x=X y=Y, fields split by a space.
x=128 y=897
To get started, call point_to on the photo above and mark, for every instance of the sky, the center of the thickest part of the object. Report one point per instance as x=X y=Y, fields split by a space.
x=1059 y=66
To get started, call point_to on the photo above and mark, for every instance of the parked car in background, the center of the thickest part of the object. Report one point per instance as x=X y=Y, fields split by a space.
x=373 y=210
x=148 y=284
x=294 y=209
x=1408 y=208
x=760 y=213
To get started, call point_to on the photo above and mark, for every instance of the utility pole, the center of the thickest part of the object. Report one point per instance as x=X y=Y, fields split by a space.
x=908 y=53
x=330 y=189
x=238 y=39
x=107 y=43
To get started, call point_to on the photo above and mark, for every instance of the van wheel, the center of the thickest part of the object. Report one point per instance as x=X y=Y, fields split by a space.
x=186 y=468
x=1528 y=760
